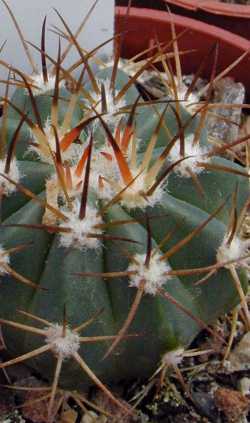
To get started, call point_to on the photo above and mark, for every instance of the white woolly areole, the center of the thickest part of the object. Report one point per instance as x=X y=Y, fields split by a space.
x=154 y=275
x=4 y=260
x=71 y=155
x=196 y=152
x=102 y=171
x=173 y=358
x=7 y=187
x=105 y=168
x=105 y=179
x=113 y=107
x=41 y=87
x=80 y=229
x=62 y=346
x=135 y=195
x=237 y=249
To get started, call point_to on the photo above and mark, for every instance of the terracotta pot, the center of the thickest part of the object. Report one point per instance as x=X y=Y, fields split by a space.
x=233 y=17
x=141 y=27
x=215 y=6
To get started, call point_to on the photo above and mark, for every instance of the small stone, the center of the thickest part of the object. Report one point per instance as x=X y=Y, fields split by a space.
x=239 y=358
x=14 y=417
x=92 y=417
x=244 y=386
x=69 y=416
x=154 y=85
x=232 y=403
x=226 y=127
x=199 y=84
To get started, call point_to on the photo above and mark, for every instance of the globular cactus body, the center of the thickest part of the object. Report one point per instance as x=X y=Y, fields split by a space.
x=126 y=234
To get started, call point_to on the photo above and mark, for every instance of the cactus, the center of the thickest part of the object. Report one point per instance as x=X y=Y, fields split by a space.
x=112 y=210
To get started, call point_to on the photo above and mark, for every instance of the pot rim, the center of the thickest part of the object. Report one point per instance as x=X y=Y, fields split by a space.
x=158 y=15
x=215 y=7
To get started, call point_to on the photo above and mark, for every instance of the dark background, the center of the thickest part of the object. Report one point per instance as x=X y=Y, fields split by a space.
x=152 y=4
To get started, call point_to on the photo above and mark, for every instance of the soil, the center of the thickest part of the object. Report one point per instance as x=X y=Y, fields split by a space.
x=208 y=392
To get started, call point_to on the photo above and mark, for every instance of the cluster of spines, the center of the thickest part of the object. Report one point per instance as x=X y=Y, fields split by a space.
x=115 y=175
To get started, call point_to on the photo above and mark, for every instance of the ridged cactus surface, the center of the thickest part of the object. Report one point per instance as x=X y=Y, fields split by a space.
x=109 y=206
